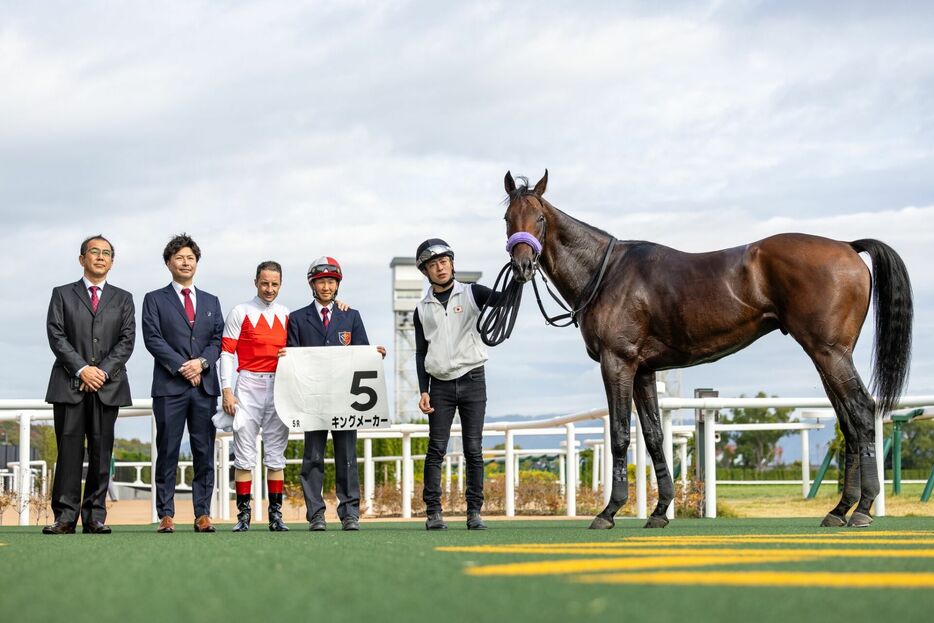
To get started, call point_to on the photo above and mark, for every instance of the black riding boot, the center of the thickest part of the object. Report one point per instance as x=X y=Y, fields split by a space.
x=275 y=513
x=243 y=513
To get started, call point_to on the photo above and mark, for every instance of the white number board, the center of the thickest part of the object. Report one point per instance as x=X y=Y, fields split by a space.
x=331 y=388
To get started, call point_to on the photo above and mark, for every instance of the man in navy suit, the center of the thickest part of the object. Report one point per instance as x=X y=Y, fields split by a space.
x=182 y=328
x=92 y=330
x=324 y=324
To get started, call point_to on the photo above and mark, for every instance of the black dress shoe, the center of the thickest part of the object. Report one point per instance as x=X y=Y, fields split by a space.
x=474 y=522
x=435 y=521
x=350 y=523
x=317 y=523
x=95 y=527
x=59 y=527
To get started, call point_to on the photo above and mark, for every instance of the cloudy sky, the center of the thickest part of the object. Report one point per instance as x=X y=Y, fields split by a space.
x=357 y=129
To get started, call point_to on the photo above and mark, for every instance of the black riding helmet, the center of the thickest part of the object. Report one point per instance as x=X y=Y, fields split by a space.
x=430 y=249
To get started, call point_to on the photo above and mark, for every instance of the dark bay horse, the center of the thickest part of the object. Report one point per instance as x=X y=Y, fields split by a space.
x=644 y=307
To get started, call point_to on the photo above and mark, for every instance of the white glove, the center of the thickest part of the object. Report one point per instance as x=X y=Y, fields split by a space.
x=222 y=421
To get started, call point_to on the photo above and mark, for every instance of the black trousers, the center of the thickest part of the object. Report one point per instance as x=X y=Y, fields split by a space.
x=195 y=408
x=92 y=420
x=345 y=468
x=466 y=395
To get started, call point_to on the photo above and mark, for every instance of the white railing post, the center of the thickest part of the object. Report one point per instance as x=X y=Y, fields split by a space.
x=683 y=449
x=710 y=464
x=24 y=471
x=510 y=484
x=607 y=460
x=570 y=492
x=668 y=445
x=880 y=464
x=258 y=479
x=369 y=476
x=641 y=484
x=562 y=480
x=153 y=453
x=447 y=473
x=460 y=472
x=215 y=493
x=595 y=467
x=225 y=478
x=805 y=464
x=407 y=479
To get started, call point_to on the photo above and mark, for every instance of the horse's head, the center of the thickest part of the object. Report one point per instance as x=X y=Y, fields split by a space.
x=525 y=225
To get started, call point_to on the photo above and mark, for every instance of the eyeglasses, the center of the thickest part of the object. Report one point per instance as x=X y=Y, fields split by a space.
x=100 y=252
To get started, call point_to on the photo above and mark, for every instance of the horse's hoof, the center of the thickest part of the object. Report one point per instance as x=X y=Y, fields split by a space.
x=656 y=521
x=602 y=523
x=859 y=520
x=833 y=521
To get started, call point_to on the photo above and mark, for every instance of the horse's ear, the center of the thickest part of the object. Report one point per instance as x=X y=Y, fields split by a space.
x=509 y=183
x=542 y=183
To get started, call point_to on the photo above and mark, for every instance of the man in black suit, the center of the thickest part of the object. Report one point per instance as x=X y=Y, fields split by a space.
x=92 y=329
x=323 y=323
x=182 y=329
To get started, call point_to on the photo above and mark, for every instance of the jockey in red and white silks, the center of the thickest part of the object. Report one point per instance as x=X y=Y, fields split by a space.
x=255 y=332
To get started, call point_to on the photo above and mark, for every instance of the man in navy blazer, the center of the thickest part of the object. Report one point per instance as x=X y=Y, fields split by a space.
x=324 y=324
x=182 y=328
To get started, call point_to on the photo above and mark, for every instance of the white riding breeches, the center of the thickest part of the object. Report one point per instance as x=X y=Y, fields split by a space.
x=254 y=394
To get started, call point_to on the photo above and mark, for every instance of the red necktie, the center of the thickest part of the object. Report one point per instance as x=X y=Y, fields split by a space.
x=95 y=300
x=324 y=317
x=189 y=306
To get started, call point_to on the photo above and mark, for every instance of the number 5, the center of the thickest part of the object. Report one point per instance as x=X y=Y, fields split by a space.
x=357 y=388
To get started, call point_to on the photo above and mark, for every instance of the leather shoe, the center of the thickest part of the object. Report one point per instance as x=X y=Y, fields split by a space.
x=59 y=527
x=317 y=523
x=350 y=523
x=95 y=527
x=474 y=522
x=435 y=521
x=203 y=524
x=166 y=525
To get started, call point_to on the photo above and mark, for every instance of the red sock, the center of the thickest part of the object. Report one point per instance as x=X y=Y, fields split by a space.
x=274 y=486
x=244 y=488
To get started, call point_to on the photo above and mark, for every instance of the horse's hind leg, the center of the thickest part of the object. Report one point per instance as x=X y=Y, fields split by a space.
x=617 y=380
x=851 y=490
x=646 y=395
x=855 y=411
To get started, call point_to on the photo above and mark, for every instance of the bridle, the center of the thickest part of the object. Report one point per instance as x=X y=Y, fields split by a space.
x=498 y=324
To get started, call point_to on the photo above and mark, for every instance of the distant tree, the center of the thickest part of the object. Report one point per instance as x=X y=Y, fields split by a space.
x=756 y=449
x=918 y=445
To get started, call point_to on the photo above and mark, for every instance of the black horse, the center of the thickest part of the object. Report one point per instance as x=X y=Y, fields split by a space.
x=644 y=307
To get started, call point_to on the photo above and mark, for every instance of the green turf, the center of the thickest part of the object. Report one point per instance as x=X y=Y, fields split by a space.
x=392 y=572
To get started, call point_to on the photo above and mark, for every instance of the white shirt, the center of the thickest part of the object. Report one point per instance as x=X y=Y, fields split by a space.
x=88 y=285
x=87 y=288
x=181 y=297
x=330 y=308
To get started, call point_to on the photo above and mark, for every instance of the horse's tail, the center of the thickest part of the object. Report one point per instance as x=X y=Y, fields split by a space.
x=891 y=293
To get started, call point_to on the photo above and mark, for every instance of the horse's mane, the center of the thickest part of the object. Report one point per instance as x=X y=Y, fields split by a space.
x=523 y=190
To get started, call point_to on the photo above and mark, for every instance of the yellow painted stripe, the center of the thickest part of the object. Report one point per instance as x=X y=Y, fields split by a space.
x=786 y=540
x=650 y=551
x=823 y=534
x=590 y=565
x=769 y=578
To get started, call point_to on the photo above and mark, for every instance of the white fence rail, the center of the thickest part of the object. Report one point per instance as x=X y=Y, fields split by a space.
x=27 y=411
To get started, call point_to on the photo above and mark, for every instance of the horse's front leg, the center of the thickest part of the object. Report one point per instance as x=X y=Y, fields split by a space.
x=617 y=380
x=646 y=395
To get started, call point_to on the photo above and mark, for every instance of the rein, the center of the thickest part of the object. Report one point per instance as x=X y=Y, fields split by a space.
x=495 y=324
